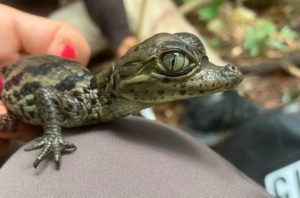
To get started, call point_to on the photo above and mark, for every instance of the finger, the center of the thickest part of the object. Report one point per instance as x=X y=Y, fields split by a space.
x=9 y=45
x=2 y=108
x=38 y=35
x=125 y=45
x=66 y=38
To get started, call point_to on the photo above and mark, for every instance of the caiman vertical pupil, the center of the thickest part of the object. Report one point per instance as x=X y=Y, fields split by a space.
x=174 y=61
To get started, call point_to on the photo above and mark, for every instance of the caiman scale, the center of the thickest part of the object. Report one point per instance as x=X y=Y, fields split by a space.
x=57 y=93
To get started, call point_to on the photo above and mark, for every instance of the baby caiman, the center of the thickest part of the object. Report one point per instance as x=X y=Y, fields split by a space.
x=56 y=93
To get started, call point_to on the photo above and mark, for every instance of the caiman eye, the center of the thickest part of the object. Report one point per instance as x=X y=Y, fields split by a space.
x=175 y=64
x=174 y=61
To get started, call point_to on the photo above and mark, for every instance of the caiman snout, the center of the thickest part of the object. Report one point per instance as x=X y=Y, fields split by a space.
x=233 y=71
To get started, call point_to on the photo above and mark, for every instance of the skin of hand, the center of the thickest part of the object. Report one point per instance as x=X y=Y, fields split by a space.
x=125 y=45
x=24 y=34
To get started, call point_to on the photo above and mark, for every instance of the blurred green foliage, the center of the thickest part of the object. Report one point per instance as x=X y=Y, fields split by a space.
x=290 y=96
x=209 y=12
x=261 y=35
x=215 y=43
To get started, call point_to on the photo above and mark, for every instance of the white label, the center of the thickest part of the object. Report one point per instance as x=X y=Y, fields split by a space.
x=284 y=182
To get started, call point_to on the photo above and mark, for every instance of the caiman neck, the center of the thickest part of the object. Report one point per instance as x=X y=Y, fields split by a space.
x=104 y=78
x=118 y=106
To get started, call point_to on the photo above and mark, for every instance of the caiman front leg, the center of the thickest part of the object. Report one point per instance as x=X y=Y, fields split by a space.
x=48 y=103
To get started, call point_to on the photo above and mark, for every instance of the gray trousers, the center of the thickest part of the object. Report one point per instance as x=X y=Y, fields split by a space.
x=131 y=157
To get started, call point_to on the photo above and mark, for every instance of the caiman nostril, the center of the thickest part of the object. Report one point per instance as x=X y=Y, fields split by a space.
x=231 y=67
x=233 y=71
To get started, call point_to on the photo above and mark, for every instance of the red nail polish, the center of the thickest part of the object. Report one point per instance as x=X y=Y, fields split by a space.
x=1 y=83
x=68 y=52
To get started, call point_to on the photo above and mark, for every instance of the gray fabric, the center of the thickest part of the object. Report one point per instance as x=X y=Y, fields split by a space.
x=131 y=157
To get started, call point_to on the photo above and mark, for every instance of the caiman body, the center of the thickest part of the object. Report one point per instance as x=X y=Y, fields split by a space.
x=56 y=93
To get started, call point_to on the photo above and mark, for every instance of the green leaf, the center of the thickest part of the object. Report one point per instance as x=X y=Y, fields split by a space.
x=215 y=43
x=251 y=42
x=276 y=44
x=187 y=1
x=259 y=35
x=254 y=51
x=208 y=13
x=211 y=11
x=290 y=96
x=266 y=27
x=288 y=32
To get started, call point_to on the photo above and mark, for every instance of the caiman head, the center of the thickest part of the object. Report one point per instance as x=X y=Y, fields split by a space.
x=169 y=67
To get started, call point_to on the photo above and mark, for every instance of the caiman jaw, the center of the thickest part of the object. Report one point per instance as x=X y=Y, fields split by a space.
x=207 y=81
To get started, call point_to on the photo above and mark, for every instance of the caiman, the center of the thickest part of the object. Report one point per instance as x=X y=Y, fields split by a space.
x=57 y=93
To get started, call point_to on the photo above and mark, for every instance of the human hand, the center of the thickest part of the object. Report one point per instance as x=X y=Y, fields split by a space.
x=24 y=34
x=125 y=45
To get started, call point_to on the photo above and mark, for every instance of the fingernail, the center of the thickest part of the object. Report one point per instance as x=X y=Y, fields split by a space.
x=1 y=83
x=68 y=52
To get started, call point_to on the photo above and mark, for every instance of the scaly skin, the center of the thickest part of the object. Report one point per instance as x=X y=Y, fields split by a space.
x=56 y=93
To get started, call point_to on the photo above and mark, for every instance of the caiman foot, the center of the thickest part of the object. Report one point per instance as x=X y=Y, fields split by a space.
x=50 y=143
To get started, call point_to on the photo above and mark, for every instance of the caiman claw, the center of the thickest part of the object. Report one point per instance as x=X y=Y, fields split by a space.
x=50 y=143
